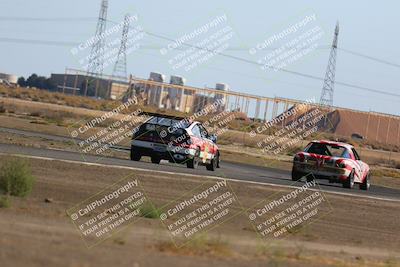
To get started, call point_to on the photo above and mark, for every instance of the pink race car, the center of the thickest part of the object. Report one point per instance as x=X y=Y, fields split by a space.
x=335 y=161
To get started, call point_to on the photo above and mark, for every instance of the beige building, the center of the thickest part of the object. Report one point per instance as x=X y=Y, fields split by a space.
x=8 y=78
x=118 y=90
x=81 y=84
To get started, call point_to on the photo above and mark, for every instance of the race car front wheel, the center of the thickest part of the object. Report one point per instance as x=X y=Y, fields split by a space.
x=213 y=164
x=155 y=160
x=135 y=156
x=366 y=183
x=296 y=175
x=349 y=183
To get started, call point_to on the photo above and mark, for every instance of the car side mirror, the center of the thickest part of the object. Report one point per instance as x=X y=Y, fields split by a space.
x=213 y=138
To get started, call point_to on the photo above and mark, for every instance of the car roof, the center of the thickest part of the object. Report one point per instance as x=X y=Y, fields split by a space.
x=167 y=120
x=333 y=143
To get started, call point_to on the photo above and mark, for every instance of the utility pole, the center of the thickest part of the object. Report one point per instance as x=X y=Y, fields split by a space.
x=96 y=57
x=329 y=81
x=120 y=64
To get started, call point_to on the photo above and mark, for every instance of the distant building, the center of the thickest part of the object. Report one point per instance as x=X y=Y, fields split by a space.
x=8 y=79
x=225 y=88
x=118 y=90
x=173 y=96
x=201 y=101
x=164 y=95
x=155 y=92
x=81 y=84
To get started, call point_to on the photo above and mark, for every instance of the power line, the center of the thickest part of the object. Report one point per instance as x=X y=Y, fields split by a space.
x=68 y=44
x=280 y=69
x=64 y=43
x=40 y=42
x=78 y=19
x=370 y=58
x=368 y=89
x=68 y=19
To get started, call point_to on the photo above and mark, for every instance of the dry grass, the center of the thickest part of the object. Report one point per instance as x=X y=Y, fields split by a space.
x=5 y=201
x=383 y=172
x=2 y=108
x=278 y=256
x=148 y=210
x=389 y=163
x=201 y=245
x=56 y=98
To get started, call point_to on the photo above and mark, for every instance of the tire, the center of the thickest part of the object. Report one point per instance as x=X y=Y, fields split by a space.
x=219 y=160
x=135 y=156
x=194 y=162
x=349 y=183
x=310 y=178
x=365 y=185
x=296 y=176
x=155 y=160
x=213 y=164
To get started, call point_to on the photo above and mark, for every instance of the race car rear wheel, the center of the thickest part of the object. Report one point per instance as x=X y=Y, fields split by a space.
x=366 y=183
x=213 y=164
x=135 y=156
x=349 y=183
x=194 y=162
x=155 y=160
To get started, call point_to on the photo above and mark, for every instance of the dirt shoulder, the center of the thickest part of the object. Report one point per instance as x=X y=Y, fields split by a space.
x=356 y=232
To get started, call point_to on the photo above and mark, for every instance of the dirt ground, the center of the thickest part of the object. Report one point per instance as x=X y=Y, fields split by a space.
x=35 y=232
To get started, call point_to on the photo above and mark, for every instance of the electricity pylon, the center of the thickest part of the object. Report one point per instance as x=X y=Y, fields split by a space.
x=329 y=81
x=120 y=64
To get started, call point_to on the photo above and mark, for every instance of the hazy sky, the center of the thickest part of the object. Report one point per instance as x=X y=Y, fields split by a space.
x=367 y=27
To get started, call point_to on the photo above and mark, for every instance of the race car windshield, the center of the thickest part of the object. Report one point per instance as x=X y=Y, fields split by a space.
x=168 y=122
x=162 y=121
x=328 y=150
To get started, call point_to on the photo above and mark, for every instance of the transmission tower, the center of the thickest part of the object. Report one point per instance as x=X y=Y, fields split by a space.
x=96 y=60
x=120 y=65
x=329 y=81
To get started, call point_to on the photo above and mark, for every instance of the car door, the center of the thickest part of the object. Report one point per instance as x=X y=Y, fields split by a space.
x=198 y=139
x=359 y=166
x=209 y=145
